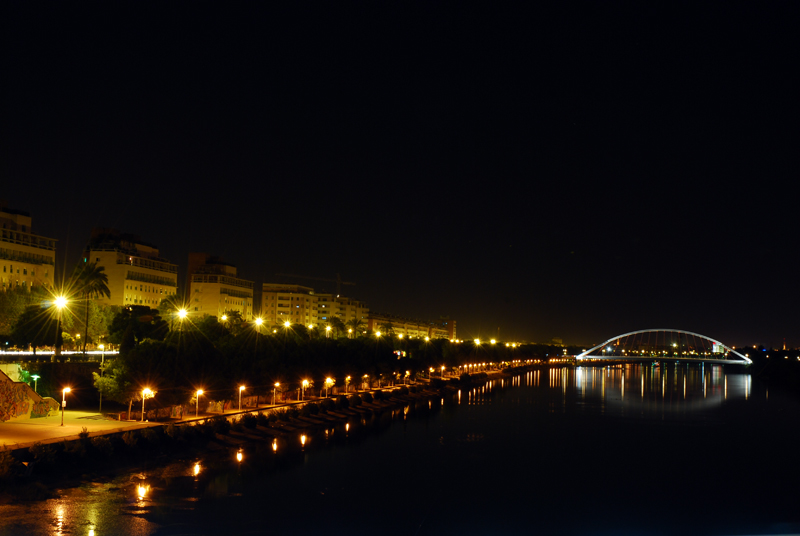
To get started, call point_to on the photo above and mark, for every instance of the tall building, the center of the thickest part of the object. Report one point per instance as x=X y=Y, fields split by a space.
x=288 y=303
x=137 y=275
x=347 y=309
x=27 y=260
x=214 y=287
x=411 y=328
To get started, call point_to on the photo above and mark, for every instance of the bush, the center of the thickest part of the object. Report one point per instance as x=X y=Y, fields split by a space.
x=305 y=411
x=314 y=409
x=293 y=413
x=249 y=420
x=342 y=402
x=282 y=415
x=44 y=455
x=379 y=395
x=103 y=446
x=355 y=400
x=273 y=417
x=402 y=391
x=151 y=435
x=327 y=404
x=84 y=433
x=131 y=438
x=366 y=397
x=220 y=425
x=9 y=466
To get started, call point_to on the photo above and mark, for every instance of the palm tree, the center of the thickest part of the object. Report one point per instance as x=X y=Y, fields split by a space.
x=356 y=325
x=90 y=280
x=386 y=328
x=337 y=325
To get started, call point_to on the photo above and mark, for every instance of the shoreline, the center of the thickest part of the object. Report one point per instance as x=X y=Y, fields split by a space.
x=29 y=471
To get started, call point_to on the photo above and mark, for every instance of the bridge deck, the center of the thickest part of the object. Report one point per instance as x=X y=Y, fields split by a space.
x=671 y=359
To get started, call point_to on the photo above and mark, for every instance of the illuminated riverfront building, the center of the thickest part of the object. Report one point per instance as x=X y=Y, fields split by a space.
x=214 y=287
x=347 y=309
x=288 y=303
x=445 y=328
x=27 y=259
x=136 y=273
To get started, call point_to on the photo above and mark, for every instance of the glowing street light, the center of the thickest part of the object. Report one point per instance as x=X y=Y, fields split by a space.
x=224 y=319
x=377 y=333
x=493 y=341
x=328 y=384
x=287 y=324
x=198 y=394
x=64 y=402
x=477 y=341
x=305 y=384
x=241 y=388
x=442 y=371
x=182 y=313
x=146 y=393
x=346 y=384
x=327 y=331
x=60 y=302
x=35 y=378
x=274 y=388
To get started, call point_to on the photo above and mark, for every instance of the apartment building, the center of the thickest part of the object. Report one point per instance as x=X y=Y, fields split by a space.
x=445 y=328
x=347 y=309
x=288 y=303
x=214 y=287
x=26 y=259
x=137 y=275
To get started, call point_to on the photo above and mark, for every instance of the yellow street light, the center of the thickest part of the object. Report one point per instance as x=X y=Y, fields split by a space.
x=477 y=341
x=60 y=302
x=287 y=324
x=377 y=333
x=224 y=318
x=197 y=406
x=64 y=402
x=146 y=393
x=346 y=383
x=493 y=341
x=182 y=313
x=259 y=321
x=241 y=388
x=273 y=392
x=305 y=384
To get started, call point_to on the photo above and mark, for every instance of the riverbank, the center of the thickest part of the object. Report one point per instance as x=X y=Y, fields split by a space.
x=29 y=472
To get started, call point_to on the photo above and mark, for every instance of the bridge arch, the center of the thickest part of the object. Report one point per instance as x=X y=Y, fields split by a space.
x=743 y=360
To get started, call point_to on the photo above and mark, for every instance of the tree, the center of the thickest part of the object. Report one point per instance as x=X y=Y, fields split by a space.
x=139 y=322
x=338 y=326
x=90 y=281
x=357 y=325
x=13 y=303
x=37 y=326
x=386 y=329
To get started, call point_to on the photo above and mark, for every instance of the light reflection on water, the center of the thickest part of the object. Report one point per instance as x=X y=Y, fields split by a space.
x=631 y=391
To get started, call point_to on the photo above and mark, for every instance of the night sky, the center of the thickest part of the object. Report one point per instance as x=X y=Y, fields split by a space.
x=570 y=170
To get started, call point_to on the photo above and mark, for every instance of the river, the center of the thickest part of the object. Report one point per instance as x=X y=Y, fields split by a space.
x=631 y=449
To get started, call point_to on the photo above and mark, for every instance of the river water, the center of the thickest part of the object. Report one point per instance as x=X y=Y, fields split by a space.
x=632 y=449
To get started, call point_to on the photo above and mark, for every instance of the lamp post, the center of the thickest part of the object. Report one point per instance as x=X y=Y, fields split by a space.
x=146 y=393
x=241 y=388
x=305 y=384
x=327 y=332
x=328 y=384
x=346 y=384
x=35 y=382
x=64 y=402
x=60 y=303
x=197 y=399
x=273 y=392
x=102 y=368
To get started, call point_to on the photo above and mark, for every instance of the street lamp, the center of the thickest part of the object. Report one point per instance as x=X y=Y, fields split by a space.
x=197 y=407
x=241 y=388
x=64 y=402
x=305 y=384
x=35 y=381
x=442 y=371
x=328 y=385
x=146 y=393
x=102 y=368
x=273 y=392
x=346 y=384
x=60 y=303
x=327 y=331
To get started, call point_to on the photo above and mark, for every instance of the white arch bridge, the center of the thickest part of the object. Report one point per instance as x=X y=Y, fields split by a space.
x=665 y=345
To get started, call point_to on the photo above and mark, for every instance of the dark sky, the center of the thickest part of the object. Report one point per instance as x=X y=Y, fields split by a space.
x=572 y=170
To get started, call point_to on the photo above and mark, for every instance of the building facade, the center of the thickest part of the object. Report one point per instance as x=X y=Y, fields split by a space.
x=215 y=289
x=347 y=309
x=137 y=275
x=288 y=303
x=412 y=328
x=27 y=260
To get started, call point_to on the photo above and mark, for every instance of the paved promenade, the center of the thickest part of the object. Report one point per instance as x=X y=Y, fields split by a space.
x=24 y=433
